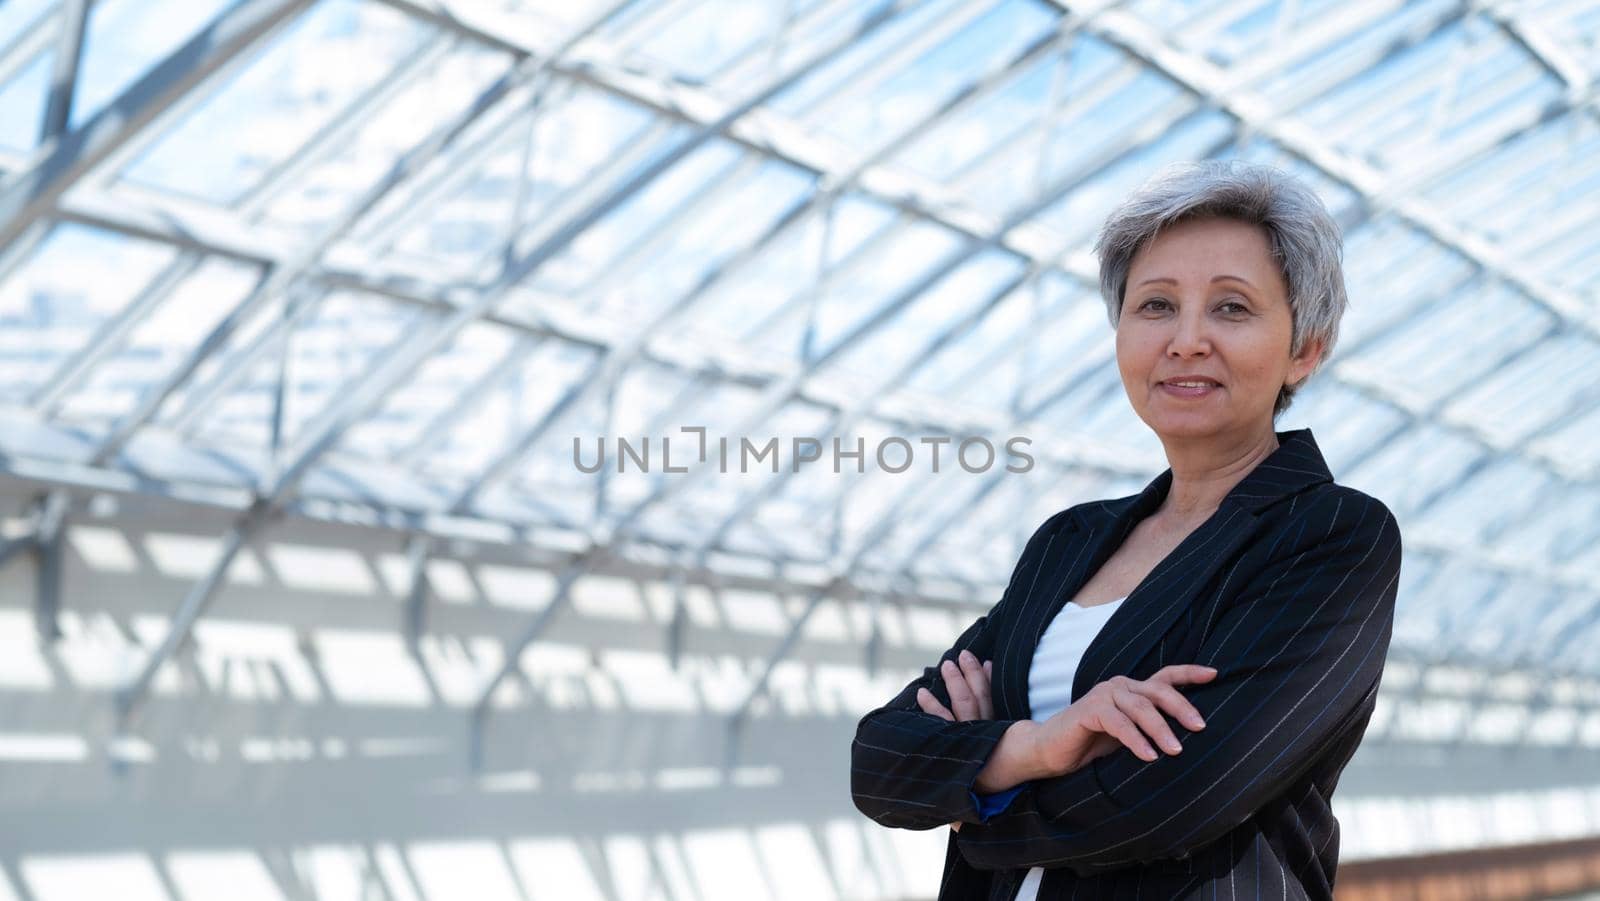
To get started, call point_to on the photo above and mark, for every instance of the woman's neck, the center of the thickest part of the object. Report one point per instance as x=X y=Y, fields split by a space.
x=1202 y=476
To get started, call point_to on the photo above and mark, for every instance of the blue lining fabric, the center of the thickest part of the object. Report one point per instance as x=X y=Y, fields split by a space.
x=989 y=805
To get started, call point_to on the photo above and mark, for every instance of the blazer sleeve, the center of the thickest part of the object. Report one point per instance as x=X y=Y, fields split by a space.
x=914 y=770
x=1299 y=653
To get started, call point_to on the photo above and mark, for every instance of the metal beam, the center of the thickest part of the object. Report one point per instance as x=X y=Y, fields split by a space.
x=293 y=265
x=1208 y=82
x=326 y=431
x=49 y=520
x=194 y=605
x=440 y=301
x=62 y=163
x=948 y=221
x=73 y=15
x=780 y=393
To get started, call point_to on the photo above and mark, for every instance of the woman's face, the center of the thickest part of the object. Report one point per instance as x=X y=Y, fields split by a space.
x=1206 y=299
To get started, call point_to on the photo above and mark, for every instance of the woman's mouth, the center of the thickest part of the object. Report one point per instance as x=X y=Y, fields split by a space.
x=1188 y=389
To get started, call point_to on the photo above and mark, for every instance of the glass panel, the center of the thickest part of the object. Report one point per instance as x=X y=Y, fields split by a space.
x=22 y=102
x=1501 y=493
x=879 y=106
x=321 y=193
x=905 y=341
x=1080 y=214
x=162 y=341
x=498 y=416
x=695 y=39
x=440 y=385
x=124 y=39
x=555 y=162
x=18 y=16
x=1437 y=354
x=1421 y=464
x=75 y=281
x=317 y=360
x=656 y=247
x=1073 y=148
x=1532 y=391
x=304 y=80
x=863 y=56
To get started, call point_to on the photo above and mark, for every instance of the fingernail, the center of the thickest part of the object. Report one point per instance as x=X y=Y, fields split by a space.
x=1173 y=747
x=1198 y=723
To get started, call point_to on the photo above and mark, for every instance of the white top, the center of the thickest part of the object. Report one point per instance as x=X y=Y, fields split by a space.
x=1055 y=663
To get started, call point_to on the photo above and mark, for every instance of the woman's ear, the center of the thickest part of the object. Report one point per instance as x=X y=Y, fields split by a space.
x=1301 y=366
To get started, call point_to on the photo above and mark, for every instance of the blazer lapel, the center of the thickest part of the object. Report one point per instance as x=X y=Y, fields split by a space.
x=1095 y=531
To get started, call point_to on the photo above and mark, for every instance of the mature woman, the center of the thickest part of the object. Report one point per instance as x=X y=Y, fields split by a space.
x=1162 y=701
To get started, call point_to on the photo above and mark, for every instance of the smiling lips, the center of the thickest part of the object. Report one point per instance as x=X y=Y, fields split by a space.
x=1189 y=386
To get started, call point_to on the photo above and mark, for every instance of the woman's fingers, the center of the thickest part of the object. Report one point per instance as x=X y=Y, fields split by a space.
x=1172 y=701
x=962 y=702
x=1183 y=674
x=1139 y=708
x=930 y=704
x=967 y=683
x=1162 y=687
x=1115 y=723
x=978 y=684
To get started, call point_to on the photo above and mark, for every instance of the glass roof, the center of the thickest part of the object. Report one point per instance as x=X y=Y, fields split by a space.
x=399 y=254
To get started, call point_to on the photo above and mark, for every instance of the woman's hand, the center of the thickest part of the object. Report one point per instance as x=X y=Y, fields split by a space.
x=967 y=684
x=1121 y=711
x=1115 y=713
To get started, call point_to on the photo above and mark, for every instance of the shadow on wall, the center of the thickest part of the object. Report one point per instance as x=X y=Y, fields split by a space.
x=300 y=748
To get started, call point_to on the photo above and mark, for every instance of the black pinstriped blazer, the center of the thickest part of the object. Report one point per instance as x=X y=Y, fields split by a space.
x=1288 y=589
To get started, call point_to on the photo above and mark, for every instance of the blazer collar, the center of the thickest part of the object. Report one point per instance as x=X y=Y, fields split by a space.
x=1152 y=607
x=1296 y=465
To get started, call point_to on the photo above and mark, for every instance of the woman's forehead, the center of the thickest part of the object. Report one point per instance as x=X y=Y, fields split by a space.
x=1207 y=248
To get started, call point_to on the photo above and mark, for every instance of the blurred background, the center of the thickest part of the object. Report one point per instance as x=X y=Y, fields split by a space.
x=303 y=306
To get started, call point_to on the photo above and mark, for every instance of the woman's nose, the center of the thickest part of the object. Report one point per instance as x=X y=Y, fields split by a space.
x=1189 y=336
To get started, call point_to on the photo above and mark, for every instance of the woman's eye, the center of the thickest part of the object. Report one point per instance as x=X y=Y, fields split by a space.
x=1231 y=306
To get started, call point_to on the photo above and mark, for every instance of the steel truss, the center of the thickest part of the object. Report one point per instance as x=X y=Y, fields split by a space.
x=67 y=180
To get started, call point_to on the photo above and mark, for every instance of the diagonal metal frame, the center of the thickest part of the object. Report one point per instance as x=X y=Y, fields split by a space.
x=46 y=520
x=74 y=16
x=1095 y=17
x=602 y=377
x=298 y=264
x=1207 y=82
x=263 y=508
x=64 y=162
x=773 y=399
x=393 y=370
x=32 y=40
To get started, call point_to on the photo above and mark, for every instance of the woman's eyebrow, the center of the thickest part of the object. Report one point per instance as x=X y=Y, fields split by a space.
x=1238 y=278
x=1214 y=278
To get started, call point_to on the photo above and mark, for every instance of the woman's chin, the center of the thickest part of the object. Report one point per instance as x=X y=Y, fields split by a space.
x=1187 y=427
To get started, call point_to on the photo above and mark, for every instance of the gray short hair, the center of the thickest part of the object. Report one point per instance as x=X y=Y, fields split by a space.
x=1302 y=234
